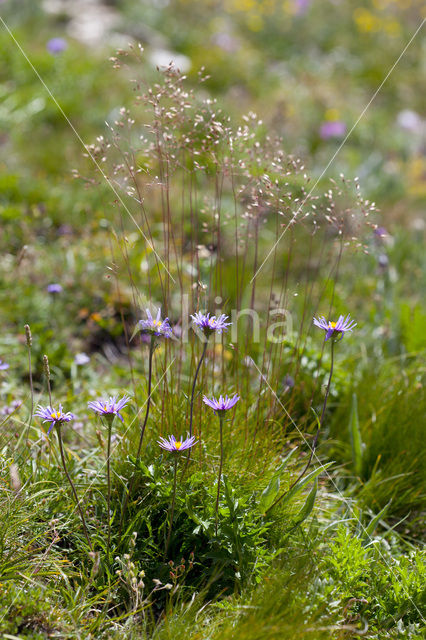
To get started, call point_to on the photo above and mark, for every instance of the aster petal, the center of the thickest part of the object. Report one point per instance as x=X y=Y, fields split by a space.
x=329 y=333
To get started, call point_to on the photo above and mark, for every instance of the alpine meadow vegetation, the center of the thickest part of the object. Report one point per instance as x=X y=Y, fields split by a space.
x=211 y=363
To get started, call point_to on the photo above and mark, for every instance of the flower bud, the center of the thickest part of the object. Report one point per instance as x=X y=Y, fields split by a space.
x=28 y=335
x=46 y=366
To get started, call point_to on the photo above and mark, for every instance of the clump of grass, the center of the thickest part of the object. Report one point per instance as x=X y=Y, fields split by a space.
x=391 y=455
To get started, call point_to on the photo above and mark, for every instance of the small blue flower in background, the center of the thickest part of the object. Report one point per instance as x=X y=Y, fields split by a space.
x=109 y=407
x=210 y=324
x=221 y=404
x=3 y=365
x=54 y=288
x=56 y=46
x=341 y=326
x=157 y=327
x=54 y=416
x=171 y=444
x=81 y=359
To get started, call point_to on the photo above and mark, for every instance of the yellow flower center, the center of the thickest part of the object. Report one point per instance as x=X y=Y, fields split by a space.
x=56 y=415
x=178 y=444
x=332 y=325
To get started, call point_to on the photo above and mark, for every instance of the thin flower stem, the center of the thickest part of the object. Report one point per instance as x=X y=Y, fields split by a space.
x=191 y=410
x=220 y=470
x=127 y=493
x=30 y=373
x=110 y=421
x=193 y=386
x=64 y=464
x=314 y=444
x=148 y=402
x=172 y=506
x=324 y=406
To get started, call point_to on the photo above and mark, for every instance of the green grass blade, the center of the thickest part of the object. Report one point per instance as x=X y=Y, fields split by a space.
x=355 y=437
x=306 y=510
x=303 y=482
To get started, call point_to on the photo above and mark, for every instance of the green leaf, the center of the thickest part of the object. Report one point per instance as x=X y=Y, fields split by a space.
x=355 y=437
x=303 y=482
x=306 y=510
x=271 y=491
x=371 y=527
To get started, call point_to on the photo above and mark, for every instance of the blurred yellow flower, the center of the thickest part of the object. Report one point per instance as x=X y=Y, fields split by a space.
x=332 y=114
x=416 y=174
x=392 y=27
x=222 y=351
x=365 y=21
x=242 y=5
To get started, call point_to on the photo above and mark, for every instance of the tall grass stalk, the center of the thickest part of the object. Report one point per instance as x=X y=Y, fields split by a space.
x=29 y=342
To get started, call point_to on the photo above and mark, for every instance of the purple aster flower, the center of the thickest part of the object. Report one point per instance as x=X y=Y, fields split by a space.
x=222 y=403
x=56 y=45
x=341 y=326
x=210 y=324
x=157 y=327
x=54 y=416
x=54 y=288
x=111 y=407
x=3 y=365
x=380 y=232
x=332 y=129
x=11 y=408
x=81 y=359
x=171 y=444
